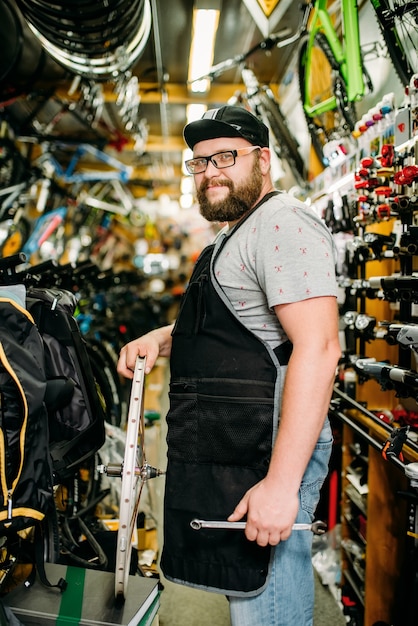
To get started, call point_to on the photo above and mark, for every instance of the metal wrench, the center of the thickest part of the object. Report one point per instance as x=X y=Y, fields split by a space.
x=318 y=527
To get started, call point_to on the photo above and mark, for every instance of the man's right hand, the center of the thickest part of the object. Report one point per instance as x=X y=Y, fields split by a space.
x=152 y=345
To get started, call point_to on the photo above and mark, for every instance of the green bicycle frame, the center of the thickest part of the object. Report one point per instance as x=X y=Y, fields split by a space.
x=347 y=53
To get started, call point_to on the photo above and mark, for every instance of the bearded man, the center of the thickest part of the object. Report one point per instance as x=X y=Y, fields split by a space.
x=253 y=357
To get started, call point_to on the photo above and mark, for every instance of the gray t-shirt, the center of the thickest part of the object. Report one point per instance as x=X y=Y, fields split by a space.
x=282 y=253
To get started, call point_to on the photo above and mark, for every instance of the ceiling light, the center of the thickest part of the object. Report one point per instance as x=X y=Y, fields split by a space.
x=195 y=112
x=205 y=24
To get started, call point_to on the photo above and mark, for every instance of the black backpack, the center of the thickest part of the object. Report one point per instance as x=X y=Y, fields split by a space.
x=76 y=415
x=51 y=419
x=27 y=510
x=26 y=485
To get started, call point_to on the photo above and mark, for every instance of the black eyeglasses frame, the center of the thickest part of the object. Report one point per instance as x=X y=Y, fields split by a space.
x=234 y=153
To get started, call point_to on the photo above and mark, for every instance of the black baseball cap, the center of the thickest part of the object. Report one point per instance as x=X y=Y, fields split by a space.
x=227 y=121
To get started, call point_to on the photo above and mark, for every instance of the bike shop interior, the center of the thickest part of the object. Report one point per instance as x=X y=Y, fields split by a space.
x=94 y=200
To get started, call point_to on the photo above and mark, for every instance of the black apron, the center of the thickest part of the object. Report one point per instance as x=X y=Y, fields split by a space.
x=224 y=406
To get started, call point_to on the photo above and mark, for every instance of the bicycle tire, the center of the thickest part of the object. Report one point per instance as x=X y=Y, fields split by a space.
x=398 y=22
x=132 y=481
x=12 y=48
x=337 y=122
x=107 y=382
x=50 y=537
x=287 y=145
x=12 y=165
x=16 y=237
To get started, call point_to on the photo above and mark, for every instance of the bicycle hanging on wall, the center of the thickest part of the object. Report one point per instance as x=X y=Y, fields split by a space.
x=262 y=102
x=332 y=77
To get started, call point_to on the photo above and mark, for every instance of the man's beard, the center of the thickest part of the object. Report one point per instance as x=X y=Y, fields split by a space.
x=237 y=203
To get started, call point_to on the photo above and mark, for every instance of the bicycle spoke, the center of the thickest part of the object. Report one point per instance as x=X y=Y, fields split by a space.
x=398 y=21
x=406 y=27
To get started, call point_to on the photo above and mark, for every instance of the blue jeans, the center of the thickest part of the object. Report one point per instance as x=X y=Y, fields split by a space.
x=288 y=599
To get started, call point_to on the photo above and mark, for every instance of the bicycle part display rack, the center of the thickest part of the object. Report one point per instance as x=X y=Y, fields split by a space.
x=88 y=599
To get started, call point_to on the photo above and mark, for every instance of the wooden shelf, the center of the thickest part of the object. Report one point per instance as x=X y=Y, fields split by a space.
x=354 y=586
x=348 y=520
x=386 y=515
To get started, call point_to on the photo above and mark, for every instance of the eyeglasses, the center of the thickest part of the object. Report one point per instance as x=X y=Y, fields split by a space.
x=220 y=160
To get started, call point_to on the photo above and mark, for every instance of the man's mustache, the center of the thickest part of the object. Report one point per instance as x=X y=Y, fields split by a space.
x=216 y=183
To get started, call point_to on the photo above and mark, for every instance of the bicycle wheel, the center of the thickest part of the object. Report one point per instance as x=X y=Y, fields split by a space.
x=132 y=480
x=12 y=165
x=287 y=146
x=48 y=534
x=107 y=381
x=398 y=21
x=320 y=79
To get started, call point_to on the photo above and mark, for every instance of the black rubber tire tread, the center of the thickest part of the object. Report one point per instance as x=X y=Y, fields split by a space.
x=14 y=47
x=111 y=27
x=289 y=147
x=106 y=382
x=49 y=535
x=12 y=165
x=341 y=120
x=398 y=52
